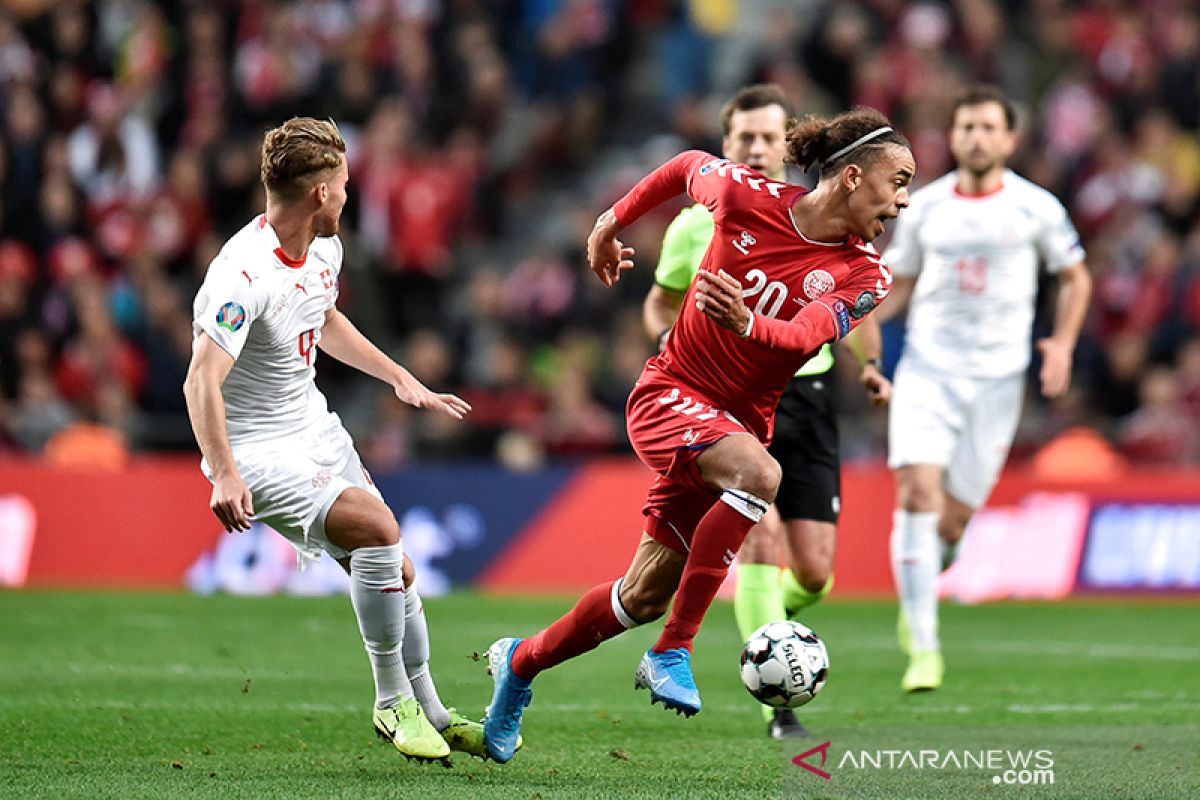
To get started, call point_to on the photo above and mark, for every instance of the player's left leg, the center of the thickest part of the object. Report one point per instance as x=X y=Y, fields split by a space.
x=809 y=578
x=360 y=524
x=747 y=477
x=461 y=733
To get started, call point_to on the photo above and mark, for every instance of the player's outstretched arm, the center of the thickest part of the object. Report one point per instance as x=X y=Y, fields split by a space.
x=607 y=257
x=231 y=501
x=1058 y=349
x=343 y=341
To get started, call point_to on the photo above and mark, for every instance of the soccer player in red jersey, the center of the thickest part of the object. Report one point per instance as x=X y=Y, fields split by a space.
x=787 y=271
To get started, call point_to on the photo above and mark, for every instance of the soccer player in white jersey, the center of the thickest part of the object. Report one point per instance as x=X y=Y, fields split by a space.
x=273 y=450
x=967 y=253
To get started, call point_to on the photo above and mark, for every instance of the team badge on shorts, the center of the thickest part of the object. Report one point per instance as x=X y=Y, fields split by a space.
x=231 y=316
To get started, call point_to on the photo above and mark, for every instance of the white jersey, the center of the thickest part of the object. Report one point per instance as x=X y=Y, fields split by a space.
x=266 y=310
x=976 y=262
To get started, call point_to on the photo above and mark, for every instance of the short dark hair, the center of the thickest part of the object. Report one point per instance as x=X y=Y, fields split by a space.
x=982 y=93
x=759 y=95
x=296 y=151
x=815 y=138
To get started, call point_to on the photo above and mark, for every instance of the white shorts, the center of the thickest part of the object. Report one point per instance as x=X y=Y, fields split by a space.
x=295 y=481
x=963 y=424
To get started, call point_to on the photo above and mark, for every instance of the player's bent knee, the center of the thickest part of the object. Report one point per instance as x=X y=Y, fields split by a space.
x=761 y=477
x=813 y=578
x=952 y=530
x=917 y=498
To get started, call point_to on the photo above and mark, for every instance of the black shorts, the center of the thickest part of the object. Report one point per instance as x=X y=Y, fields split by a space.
x=806 y=446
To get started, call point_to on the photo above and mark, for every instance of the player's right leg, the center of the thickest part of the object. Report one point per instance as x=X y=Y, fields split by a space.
x=758 y=596
x=603 y=612
x=461 y=733
x=358 y=522
x=916 y=564
x=925 y=421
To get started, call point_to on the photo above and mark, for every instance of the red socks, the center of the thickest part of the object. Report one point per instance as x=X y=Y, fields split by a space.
x=581 y=629
x=714 y=545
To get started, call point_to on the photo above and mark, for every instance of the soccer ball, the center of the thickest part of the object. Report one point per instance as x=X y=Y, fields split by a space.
x=784 y=664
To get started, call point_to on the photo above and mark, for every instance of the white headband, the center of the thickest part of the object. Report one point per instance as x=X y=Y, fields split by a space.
x=858 y=143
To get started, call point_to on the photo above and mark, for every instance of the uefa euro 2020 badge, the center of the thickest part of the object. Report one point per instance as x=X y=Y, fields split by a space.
x=231 y=316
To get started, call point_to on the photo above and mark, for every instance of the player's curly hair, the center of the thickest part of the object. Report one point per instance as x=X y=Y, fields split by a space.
x=814 y=139
x=296 y=152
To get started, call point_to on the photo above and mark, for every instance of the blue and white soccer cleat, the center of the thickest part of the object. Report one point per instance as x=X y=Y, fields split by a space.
x=502 y=720
x=668 y=676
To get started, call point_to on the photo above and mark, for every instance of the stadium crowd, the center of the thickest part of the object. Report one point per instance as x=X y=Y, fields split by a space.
x=484 y=136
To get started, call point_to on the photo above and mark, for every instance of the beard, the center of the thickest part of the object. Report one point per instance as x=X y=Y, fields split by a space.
x=327 y=226
x=982 y=167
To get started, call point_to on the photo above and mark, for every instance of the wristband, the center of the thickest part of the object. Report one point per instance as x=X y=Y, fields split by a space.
x=877 y=363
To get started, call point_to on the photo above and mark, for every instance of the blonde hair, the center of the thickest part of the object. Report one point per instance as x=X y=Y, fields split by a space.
x=294 y=153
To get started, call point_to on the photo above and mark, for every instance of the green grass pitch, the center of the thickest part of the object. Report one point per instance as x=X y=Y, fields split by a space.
x=170 y=695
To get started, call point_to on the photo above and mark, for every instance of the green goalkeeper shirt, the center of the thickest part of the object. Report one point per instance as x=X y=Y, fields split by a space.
x=683 y=247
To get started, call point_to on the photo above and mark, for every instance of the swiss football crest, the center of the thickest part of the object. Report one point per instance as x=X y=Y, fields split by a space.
x=817 y=283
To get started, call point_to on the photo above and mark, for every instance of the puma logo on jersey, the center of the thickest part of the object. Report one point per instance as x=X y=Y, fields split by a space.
x=249 y=280
x=301 y=287
x=743 y=175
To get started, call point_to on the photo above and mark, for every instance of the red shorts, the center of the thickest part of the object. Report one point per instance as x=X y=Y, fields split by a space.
x=670 y=424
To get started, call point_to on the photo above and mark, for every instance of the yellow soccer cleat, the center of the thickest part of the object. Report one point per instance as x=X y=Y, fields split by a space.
x=924 y=673
x=466 y=736
x=409 y=730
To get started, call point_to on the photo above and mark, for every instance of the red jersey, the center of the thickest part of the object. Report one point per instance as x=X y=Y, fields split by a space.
x=802 y=293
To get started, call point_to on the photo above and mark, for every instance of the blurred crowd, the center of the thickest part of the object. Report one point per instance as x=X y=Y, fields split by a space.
x=484 y=136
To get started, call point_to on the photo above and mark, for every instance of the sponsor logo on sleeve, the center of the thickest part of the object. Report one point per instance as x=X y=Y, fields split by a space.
x=843 y=317
x=863 y=305
x=231 y=316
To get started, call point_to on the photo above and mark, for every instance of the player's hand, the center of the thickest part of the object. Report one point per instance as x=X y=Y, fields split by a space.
x=719 y=295
x=417 y=394
x=232 y=503
x=607 y=257
x=879 y=388
x=1056 y=366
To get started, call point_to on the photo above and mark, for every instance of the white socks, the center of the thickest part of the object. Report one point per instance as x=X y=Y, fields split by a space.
x=746 y=504
x=377 y=592
x=416 y=660
x=916 y=563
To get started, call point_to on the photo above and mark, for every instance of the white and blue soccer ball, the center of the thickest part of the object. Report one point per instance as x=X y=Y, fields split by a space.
x=784 y=664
